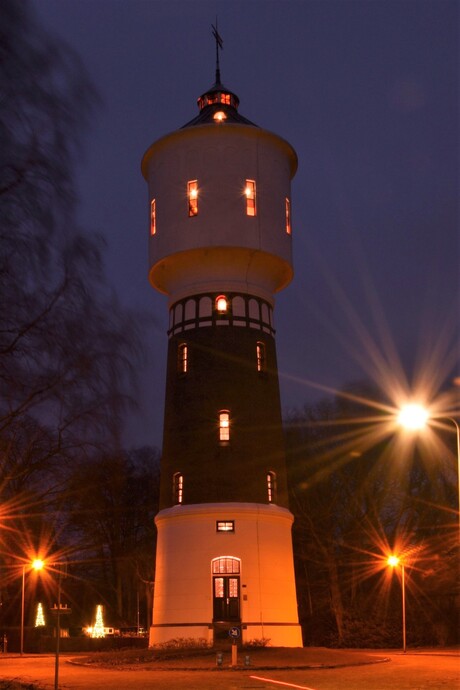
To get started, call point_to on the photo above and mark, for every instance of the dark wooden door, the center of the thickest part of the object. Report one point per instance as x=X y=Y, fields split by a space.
x=226 y=598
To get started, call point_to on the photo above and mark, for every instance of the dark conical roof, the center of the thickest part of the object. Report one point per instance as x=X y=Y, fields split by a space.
x=218 y=105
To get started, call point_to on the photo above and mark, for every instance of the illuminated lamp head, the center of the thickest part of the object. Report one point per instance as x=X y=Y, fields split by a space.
x=393 y=561
x=413 y=416
x=221 y=304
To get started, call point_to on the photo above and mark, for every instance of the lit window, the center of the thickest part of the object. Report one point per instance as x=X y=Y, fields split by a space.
x=225 y=526
x=221 y=304
x=288 y=216
x=192 y=196
x=260 y=353
x=250 y=193
x=182 y=358
x=153 y=217
x=226 y=564
x=220 y=116
x=178 y=487
x=271 y=486
x=224 y=426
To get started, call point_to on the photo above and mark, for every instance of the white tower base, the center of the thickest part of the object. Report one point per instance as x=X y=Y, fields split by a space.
x=192 y=572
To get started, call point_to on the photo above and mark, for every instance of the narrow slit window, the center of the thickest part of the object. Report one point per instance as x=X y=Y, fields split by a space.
x=250 y=193
x=182 y=358
x=224 y=426
x=192 y=196
x=260 y=355
x=153 y=217
x=178 y=488
x=271 y=487
x=288 y=216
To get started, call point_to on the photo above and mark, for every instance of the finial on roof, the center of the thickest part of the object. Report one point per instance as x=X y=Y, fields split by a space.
x=219 y=44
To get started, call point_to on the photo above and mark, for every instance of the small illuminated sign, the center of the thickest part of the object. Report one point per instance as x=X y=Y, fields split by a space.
x=225 y=526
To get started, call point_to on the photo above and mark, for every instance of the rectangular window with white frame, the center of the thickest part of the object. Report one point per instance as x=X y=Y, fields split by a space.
x=250 y=193
x=192 y=196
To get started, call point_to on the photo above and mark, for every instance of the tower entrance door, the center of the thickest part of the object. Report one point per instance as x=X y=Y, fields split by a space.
x=226 y=598
x=226 y=589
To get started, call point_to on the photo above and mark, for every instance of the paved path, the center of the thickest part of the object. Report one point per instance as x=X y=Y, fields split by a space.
x=399 y=672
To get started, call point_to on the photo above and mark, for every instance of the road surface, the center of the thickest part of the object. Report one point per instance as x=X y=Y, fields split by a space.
x=400 y=672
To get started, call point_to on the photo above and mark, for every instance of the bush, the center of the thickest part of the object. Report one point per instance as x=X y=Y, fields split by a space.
x=184 y=643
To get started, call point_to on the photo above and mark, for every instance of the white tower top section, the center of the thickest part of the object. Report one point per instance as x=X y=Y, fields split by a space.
x=220 y=195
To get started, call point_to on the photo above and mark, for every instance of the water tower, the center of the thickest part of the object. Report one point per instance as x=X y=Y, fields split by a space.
x=220 y=248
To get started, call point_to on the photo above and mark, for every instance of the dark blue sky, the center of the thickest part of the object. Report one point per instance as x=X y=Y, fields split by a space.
x=367 y=93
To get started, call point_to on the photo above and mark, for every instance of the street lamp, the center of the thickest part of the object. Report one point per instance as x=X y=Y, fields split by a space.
x=415 y=417
x=394 y=561
x=36 y=564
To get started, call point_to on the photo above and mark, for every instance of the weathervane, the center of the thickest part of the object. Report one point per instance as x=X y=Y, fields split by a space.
x=219 y=44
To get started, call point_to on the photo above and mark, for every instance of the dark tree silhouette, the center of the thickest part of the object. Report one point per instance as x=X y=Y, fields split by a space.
x=67 y=347
x=354 y=501
x=111 y=503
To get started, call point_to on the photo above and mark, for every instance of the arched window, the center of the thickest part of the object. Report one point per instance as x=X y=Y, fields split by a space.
x=226 y=565
x=271 y=487
x=182 y=358
x=221 y=304
x=260 y=356
x=178 y=488
x=224 y=426
x=288 y=216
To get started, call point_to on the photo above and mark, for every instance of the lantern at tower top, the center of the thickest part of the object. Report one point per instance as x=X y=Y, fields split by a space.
x=218 y=104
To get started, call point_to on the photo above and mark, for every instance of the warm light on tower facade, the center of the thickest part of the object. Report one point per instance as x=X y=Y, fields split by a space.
x=224 y=550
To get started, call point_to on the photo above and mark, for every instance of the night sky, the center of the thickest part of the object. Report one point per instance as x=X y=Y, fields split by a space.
x=367 y=94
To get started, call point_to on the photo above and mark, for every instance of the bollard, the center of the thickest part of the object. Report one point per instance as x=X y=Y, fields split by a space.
x=234 y=653
x=219 y=659
x=247 y=660
x=5 y=643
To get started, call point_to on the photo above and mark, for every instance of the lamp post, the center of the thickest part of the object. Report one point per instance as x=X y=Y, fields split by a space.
x=37 y=564
x=393 y=561
x=415 y=417
x=59 y=610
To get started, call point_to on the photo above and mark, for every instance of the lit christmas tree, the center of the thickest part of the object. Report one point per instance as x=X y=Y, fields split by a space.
x=98 y=629
x=39 y=618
